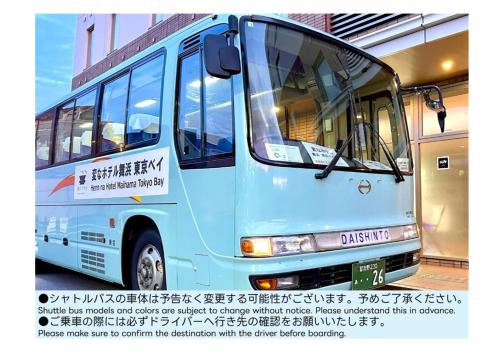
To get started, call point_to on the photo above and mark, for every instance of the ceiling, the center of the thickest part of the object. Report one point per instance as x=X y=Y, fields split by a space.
x=423 y=63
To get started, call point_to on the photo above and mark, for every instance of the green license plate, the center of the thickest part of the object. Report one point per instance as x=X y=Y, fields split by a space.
x=368 y=275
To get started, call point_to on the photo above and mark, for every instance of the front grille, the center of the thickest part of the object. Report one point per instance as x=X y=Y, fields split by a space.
x=334 y=275
x=324 y=276
x=398 y=262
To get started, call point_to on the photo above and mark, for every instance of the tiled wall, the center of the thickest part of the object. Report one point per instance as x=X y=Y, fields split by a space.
x=153 y=35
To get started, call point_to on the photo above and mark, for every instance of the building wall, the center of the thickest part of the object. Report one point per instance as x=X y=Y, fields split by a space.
x=100 y=44
x=126 y=27
x=134 y=33
x=319 y=21
x=129 y=27
x=134 y=38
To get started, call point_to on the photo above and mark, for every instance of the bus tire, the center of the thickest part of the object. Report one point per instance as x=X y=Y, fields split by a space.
x=147 y=267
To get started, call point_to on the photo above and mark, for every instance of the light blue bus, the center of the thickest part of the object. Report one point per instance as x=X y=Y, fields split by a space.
x=242 y=152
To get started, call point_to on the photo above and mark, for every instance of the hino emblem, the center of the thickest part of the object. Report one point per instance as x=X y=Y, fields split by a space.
x=364 y=186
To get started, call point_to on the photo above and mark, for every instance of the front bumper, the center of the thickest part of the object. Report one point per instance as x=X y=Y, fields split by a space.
x=247 y=267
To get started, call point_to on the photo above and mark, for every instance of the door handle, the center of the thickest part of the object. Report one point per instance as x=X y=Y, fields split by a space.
x=46 y=238
x=65 y=241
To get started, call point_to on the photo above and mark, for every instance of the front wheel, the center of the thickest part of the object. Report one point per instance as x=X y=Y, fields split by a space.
x=147 y=265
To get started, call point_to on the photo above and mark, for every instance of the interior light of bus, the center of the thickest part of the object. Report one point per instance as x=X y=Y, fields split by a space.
x=208 y=81
x=146 y=103
x=86 y=125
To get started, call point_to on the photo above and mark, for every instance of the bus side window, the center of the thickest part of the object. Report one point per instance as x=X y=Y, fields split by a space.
x=43 y=139
x=113 y=109
x=63 y=132
x=189 y=115
x=218 y=115
x=82 y=125
x=144 y=103
x=204 y=126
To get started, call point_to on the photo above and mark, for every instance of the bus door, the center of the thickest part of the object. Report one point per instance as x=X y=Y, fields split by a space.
x=205 y=149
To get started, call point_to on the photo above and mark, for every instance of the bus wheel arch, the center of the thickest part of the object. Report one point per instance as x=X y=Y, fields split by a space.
x=139 y=231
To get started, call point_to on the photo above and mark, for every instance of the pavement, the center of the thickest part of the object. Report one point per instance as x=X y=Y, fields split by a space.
x=428 y=277
x=436 y=277
x=51 y=277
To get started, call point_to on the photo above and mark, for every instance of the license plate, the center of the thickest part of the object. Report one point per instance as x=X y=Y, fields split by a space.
x=368 y=275
x=364 y=237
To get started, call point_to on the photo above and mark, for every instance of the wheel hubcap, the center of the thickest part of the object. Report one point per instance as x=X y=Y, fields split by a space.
x=150 y=269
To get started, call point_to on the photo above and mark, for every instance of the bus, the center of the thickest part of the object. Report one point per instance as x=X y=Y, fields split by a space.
x=242 y=152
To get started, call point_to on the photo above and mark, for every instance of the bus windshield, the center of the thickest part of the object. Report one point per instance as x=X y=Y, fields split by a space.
x=307 y=95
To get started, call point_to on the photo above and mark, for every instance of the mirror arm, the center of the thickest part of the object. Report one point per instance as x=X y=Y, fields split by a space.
x=233 y=28
x=425 y=90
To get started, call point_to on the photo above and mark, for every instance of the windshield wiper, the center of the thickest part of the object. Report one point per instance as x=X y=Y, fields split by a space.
x=388 y=154
x=385 y=148
x=328 y=169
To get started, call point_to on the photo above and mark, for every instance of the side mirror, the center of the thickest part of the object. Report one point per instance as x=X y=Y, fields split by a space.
x=441 y=117
x=434 y=105
x=221 y=60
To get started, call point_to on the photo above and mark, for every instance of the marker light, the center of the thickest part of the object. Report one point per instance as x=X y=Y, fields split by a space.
x=277 y=246
x=416 y=257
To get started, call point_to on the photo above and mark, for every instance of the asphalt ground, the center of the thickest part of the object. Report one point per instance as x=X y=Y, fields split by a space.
x=51 y=277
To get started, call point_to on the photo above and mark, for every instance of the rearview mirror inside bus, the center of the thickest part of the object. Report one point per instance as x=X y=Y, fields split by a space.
x=221 y=60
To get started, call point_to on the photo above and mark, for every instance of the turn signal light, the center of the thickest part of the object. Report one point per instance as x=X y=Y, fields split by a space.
x=267 y=284
x=256 y=247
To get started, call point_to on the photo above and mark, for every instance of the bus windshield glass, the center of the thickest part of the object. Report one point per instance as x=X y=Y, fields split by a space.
x=307 y=96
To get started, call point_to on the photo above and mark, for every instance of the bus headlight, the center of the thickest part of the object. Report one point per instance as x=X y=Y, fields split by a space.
x=277 y=246
x=410 y=231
